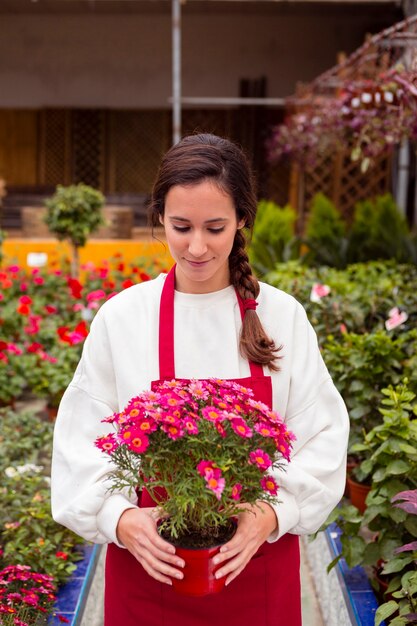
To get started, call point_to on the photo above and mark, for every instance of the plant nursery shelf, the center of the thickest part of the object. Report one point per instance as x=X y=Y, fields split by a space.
x=72 y=597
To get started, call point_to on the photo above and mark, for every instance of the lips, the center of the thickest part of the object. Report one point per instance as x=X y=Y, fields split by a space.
x=197 y=263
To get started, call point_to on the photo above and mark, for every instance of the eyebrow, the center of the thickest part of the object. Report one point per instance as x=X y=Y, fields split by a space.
x=183 y=219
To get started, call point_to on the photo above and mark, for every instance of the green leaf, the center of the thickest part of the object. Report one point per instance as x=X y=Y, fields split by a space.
x=397 y=467
x=396 y=565
x=384 y=611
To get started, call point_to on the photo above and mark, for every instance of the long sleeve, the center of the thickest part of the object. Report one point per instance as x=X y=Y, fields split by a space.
x=81 y=499
x=314 y=480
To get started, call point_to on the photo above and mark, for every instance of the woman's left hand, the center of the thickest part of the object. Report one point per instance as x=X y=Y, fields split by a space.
x=253 y=529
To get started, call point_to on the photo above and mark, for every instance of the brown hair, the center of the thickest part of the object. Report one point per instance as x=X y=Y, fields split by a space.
x=200 y=157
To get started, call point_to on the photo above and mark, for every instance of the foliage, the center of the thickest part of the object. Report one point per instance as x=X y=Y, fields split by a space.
x=325 y=234
x=359 y=299
x=273 y=239
x=207 y=444
x=28 y=534
x=361 y=366
x=403 y=587
x=390 y=461
x=73 y=213
x=379 y=231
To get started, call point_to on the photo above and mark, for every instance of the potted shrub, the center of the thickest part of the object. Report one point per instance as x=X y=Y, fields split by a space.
x=73 y=213
x=199 y=448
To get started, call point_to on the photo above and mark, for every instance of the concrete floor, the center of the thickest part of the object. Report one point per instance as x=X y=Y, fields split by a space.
x=93 y=614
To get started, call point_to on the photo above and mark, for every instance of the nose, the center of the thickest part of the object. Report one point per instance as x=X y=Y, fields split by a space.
x=197 y=246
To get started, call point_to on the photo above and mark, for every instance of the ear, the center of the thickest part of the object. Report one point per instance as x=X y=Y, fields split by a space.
x=241 y=224
x=161 y=219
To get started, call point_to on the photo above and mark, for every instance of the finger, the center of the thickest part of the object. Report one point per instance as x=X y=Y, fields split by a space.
x=154 y=573
x=161 y=567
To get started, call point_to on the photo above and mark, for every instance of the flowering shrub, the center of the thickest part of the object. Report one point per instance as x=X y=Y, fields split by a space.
x=368 y=115
x=207 y=444
x=25 y=596
x=44 y=320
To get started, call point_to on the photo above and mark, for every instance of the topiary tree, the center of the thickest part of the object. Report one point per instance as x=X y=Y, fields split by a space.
x=73 y=213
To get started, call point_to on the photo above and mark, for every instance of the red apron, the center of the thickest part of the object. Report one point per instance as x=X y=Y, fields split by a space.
x=266 y=593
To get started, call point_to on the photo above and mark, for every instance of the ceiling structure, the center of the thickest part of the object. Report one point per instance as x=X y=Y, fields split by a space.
x=37 y=7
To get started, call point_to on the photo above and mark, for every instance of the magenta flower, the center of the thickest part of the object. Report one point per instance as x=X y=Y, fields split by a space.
x=236 y=491
x=93 y=296
x=264 y=429
x=212 y=414
x=197 y=390
x=215 y=482
x=269 y=484
x=204 y=466
x=173 y=431
x=260 y=458
x=135 y=440
x=190 y=426
x=240 y=427
x=107 y=443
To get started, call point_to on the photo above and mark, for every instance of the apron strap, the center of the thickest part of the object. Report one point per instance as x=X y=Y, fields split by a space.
x=166 y=331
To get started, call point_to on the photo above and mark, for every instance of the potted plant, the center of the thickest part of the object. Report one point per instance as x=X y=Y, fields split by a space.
x=390 y=465
x=73 y=213
x=200 y=448
x=402 y=605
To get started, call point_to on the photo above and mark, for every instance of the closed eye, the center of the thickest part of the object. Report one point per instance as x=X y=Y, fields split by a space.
x=181 y=229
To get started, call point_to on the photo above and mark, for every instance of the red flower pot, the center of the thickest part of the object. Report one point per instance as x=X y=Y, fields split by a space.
x=358 y=493
x=199 y=571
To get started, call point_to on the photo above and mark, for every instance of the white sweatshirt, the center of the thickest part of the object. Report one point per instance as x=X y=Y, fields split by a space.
x=120 y=359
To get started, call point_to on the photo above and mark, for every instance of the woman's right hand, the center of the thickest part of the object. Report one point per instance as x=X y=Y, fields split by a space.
x=137 y=531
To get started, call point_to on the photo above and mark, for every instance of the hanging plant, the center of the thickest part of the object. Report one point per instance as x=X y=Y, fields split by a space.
x=370 y=116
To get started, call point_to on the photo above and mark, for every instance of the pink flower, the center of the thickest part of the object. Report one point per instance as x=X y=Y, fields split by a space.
x=107 y=443
x=99 y=294
x=215 y=482
x=260 y=458
x=212 y=414
x=319 y=291
x=190 y=426
x=204 y=466
x=396 y=318
x=264 y=429
x=173 y=431
x=236 y=490
x=197 y=390
x=240 y=427
x=269 y=484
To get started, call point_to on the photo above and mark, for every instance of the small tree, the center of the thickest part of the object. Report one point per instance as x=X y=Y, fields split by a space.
x=73 y=213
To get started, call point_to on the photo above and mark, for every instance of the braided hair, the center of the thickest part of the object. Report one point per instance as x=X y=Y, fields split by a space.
x=207 y=157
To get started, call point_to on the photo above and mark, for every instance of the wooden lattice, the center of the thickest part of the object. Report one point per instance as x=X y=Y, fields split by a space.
x=341 y=180
x=54 y=147
x=137 y=140
x=88 y=132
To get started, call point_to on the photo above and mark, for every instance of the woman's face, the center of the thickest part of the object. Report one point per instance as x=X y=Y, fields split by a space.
x=200 y=225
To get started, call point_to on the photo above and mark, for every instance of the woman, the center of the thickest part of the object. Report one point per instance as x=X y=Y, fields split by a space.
x=208 y=318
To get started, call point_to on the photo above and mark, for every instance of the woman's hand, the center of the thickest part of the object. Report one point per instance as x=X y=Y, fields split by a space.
x=137 y=531
x=254 y=527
